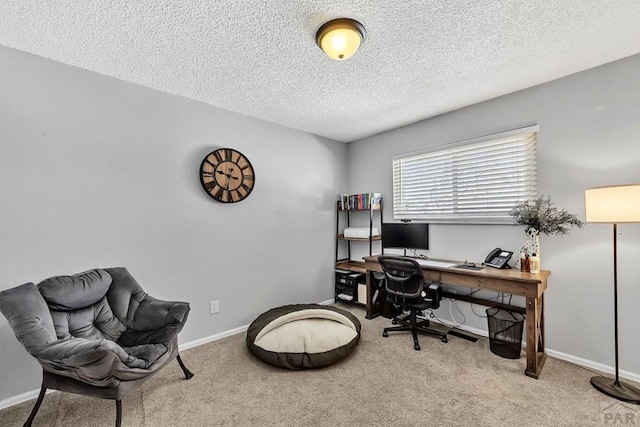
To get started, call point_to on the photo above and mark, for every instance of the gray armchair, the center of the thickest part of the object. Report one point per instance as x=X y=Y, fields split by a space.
x=95 y=333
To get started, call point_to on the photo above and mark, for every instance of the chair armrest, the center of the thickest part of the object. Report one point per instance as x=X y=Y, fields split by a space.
x=65 y=348
x=155 y=314
x=164 y=335
x=78 y=353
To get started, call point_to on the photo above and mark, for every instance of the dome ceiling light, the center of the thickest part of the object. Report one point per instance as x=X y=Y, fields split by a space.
x=340 y=38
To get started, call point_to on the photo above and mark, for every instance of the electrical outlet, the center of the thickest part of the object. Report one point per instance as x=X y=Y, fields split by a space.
x=215 y=307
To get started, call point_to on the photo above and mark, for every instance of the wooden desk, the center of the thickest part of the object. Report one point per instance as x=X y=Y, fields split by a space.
x=510 y=281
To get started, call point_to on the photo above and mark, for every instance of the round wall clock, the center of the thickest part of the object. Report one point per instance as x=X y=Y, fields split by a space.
x=227 y=175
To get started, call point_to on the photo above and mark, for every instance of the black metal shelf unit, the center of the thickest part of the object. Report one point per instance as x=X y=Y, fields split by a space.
x=350 y=274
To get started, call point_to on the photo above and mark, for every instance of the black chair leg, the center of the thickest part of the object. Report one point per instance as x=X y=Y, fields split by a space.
x=414 y=332
x=118 y=412
x=187 y=373
x=411 y=323
x=423 y=327
x=34 y=411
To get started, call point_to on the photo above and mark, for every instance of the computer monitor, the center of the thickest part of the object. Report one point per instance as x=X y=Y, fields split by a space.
x=410 y=235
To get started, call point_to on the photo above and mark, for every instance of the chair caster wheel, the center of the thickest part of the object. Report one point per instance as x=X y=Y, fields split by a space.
x=444 y=339
x=416 y=347
x=385 y=334
x=394 y=322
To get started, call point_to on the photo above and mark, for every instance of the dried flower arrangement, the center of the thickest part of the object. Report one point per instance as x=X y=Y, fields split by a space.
x=543 y=216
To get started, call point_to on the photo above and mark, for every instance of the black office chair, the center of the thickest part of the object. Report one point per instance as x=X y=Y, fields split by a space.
x=406 y=290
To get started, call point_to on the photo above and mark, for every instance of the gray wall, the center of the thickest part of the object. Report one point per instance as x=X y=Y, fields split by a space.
x=95 y=172
x=589 y=136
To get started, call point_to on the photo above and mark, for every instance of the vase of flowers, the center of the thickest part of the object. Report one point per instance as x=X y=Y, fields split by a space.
x=540 y=216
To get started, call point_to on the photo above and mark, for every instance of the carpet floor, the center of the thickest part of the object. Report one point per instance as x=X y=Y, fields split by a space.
x=384 y=382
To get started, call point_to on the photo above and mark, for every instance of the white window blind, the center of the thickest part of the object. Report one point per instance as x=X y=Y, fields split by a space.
x=472 y=181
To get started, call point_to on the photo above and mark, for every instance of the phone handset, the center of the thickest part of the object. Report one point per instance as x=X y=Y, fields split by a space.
x=498 y=258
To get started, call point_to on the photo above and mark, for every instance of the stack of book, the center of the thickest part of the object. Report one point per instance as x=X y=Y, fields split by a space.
x=359 y=201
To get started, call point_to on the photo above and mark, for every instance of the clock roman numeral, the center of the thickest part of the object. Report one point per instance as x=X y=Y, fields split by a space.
x=210 y=185
x=218 y=193
x=209 y=163
x=247 y=177
x=217 y=155
x=246 y=188
x=227 y=154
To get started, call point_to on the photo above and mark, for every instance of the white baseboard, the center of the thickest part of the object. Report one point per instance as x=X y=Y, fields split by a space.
x=216 y=337
x=15 y=400
x=212 y=338
x=593 y=365
x=475 y=331
x=585 y=363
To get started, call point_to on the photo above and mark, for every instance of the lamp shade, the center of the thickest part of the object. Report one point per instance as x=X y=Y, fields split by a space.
x=614 y=204
x=340 y=38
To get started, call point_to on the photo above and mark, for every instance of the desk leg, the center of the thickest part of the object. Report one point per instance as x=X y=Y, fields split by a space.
x=369 y=292
x=535 y=337
x=372 y=297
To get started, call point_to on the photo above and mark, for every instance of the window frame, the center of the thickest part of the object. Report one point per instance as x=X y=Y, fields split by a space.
x=473 y=178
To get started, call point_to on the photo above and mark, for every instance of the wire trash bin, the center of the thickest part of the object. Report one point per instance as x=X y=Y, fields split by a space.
x=505 y=332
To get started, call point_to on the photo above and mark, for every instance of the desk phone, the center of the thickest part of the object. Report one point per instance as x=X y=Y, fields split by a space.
x=498 y=258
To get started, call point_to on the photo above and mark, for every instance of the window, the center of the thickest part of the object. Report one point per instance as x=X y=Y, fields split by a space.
x=473 y=181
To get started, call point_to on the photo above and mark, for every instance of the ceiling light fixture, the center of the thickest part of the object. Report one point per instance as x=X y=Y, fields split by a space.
x=340 y=38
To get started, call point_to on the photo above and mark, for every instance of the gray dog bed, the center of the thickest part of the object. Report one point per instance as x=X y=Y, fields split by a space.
x=303 y=336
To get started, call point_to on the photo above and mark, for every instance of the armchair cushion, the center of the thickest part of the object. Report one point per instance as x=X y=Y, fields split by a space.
x=139 y=311
x=77 y=291
x=101 y=363
x=28 y=315
x=94 y=322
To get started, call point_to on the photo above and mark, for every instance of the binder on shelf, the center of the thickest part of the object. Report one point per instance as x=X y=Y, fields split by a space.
x=362 y=293
x=360 y=201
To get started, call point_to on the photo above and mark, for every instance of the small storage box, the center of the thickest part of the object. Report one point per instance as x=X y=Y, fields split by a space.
x=360 y=232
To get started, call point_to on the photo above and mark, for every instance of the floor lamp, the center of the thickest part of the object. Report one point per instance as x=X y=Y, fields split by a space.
x=615 y=204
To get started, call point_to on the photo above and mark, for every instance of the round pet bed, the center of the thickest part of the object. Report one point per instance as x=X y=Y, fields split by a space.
x=303 y=336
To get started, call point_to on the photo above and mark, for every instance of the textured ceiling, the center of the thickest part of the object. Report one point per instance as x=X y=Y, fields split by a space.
x=259 y=58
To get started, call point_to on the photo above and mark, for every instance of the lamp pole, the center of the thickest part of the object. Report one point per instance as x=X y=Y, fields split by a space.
x=614 y=204
x=616 y=383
